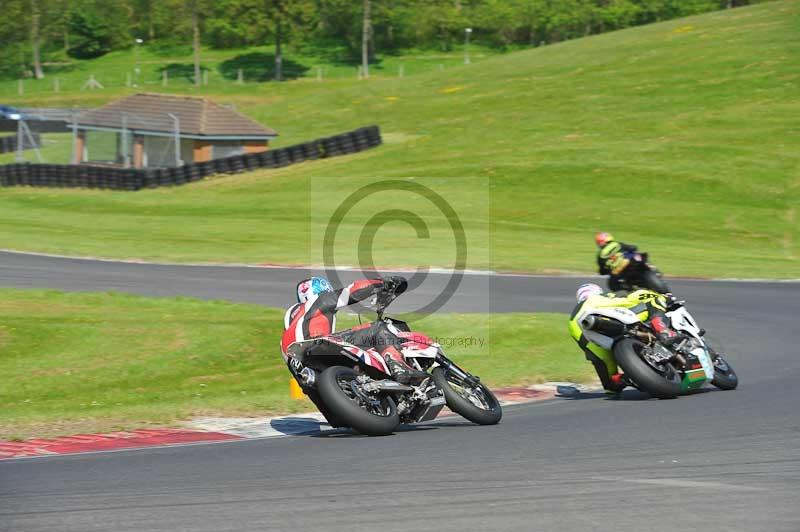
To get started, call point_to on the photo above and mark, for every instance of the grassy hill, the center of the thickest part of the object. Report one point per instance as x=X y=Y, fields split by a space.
x=117 y=71
x=679 y=136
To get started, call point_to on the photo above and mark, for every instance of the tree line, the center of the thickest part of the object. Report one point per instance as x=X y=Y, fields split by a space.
x=38 y=33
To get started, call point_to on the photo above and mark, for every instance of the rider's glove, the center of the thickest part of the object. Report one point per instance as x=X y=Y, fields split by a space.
x=672 y=302
x=395 y=284
x=669 y=340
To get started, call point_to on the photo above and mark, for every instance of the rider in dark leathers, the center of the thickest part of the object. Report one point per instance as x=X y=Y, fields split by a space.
x=611 y=258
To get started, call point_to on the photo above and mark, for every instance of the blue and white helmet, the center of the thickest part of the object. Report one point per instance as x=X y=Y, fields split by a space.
x=311 y=288
x=585 y=291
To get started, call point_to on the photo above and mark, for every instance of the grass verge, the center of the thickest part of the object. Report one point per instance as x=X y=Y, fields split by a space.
x=679 y=136
x=78 y=362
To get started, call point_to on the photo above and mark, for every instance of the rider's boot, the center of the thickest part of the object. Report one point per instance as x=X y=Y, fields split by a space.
x=619 y=381
x=402 y=372
x=665 y=335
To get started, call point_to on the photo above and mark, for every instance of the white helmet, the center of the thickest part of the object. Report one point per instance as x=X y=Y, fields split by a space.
x=587 y=290
x=311 y=288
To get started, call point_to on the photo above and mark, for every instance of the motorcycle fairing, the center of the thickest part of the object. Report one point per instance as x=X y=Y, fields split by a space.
x=417 y=345
x=682 y=321
x=333 y=346
x=371 y=358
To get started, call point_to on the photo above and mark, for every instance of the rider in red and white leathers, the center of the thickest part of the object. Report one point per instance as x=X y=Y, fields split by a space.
x=315 y=315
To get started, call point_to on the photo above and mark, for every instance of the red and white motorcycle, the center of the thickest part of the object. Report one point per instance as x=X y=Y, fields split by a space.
x=352 y=386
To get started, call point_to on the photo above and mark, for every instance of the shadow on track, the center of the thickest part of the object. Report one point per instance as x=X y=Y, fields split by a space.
x=307 y=426
x=626 y=395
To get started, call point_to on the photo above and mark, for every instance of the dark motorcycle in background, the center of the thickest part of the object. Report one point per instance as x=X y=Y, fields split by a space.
x=352 y=386
x=638 y=274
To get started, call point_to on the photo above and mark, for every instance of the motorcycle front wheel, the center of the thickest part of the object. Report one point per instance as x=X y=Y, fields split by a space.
x=724 y=376
x=664 y=384
x=368 y=414
x=475 y=403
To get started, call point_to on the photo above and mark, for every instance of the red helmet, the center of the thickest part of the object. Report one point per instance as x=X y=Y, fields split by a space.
x=603 y=238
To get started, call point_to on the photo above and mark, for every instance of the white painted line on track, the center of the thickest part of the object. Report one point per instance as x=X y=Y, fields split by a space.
x=681 y=483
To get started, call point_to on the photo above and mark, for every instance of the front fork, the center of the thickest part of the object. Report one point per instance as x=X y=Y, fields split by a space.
x=450 y=366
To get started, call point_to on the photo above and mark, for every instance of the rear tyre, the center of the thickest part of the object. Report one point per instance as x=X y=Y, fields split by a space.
x=664 y=384
x=373 y=415
x=332 y=420
x=475 y=403
x=655 y=282
x=724 y=376
x=615 y=284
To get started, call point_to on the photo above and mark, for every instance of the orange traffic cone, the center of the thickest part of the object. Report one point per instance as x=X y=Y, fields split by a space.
x=295 y=391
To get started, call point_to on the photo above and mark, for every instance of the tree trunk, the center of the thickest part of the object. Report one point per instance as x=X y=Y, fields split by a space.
x=390 y=36
x=371 y=47
x=278 y=51
x=196 y=43
x=365 y=40
x=64 y=7
x=37 y=60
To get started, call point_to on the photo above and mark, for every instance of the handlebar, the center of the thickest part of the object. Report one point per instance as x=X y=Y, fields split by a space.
x=393 y=286
x=383 y=300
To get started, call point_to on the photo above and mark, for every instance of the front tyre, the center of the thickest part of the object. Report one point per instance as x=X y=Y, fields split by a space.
x=724 y=376
x=663 y=382
x=373 y=415
x=475 y=403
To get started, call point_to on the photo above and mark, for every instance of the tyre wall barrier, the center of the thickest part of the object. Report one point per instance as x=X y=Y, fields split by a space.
x=41 y=126
x=130 y=179
x=10 y=143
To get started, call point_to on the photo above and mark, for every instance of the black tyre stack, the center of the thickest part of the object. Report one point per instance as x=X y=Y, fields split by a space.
x=282 y=157
x=85 y=176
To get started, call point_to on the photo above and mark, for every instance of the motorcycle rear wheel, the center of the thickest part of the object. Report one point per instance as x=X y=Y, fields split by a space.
x=647 y=379
x=655 y=282
x=373 y=416
x=465 y=401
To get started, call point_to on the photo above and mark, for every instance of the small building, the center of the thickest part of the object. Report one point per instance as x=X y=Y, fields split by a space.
x=157 y=130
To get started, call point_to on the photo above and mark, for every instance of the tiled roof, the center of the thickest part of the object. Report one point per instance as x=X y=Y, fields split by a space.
x=150 y=112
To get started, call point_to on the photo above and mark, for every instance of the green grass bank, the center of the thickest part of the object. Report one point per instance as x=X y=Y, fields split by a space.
x=680 y=136
x=84 y=362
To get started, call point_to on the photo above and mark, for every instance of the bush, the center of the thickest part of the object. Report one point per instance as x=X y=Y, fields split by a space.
x=93 y=32
x=221 y=34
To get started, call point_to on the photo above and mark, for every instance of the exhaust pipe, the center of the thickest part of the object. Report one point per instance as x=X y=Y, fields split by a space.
x=603 y=326
x=308 y=376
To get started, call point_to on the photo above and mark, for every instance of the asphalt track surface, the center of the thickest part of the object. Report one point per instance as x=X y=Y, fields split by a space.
x=712 y=461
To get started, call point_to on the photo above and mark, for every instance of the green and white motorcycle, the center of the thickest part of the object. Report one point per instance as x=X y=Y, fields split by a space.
x=616 y=333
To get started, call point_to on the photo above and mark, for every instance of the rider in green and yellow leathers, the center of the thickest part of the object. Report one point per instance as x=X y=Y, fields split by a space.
x=650 y=307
